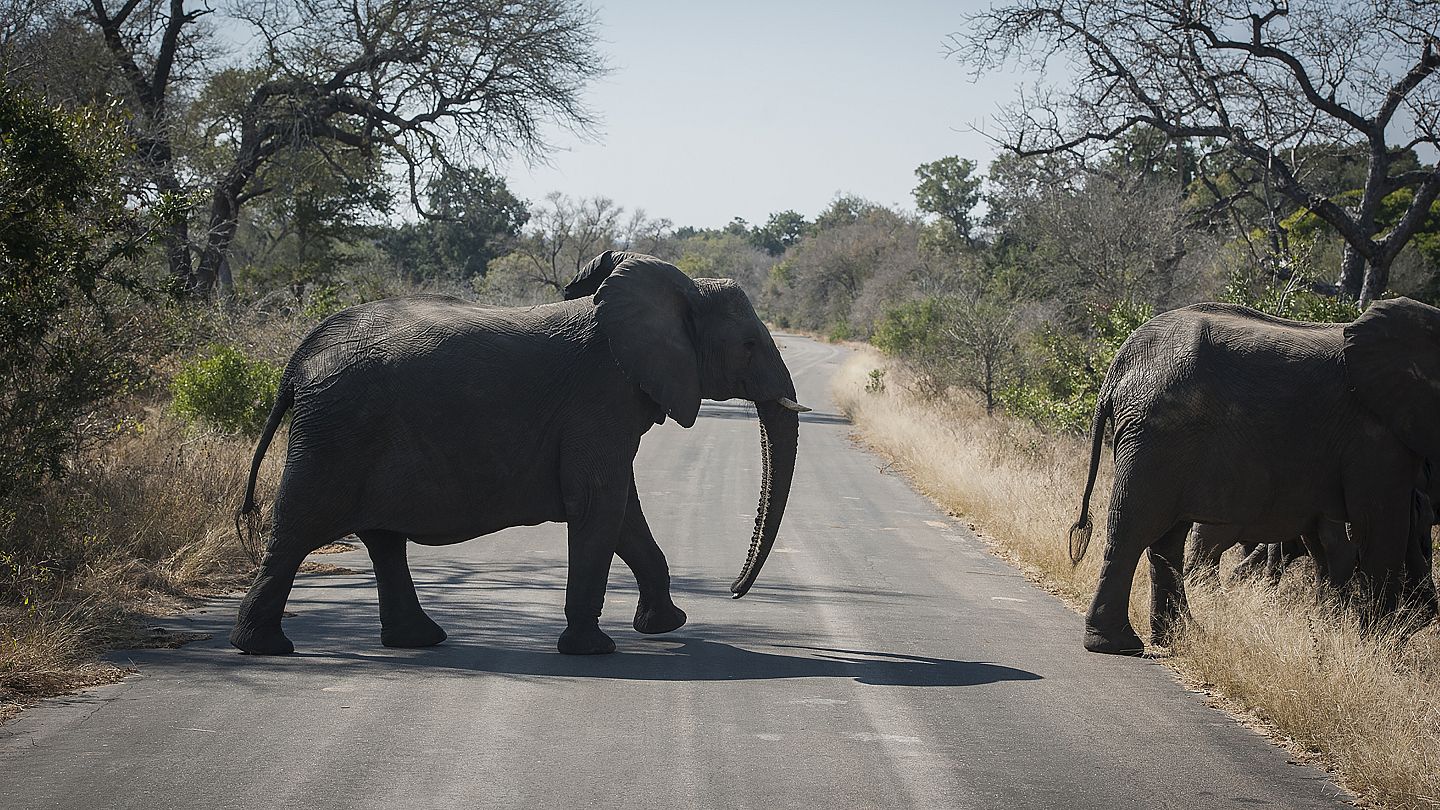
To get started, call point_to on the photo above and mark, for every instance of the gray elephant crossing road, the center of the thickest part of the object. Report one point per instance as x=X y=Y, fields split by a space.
x=884 y=660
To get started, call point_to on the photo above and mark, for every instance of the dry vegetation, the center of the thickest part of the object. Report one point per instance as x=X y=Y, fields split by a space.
x=142 y=524
x=1367 y=706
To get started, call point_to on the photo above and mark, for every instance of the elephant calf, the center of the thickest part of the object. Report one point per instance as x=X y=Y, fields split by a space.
x=1225 y=415
x=436 y=420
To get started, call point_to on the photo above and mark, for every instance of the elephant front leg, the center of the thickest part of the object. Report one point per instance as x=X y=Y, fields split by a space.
x=403 y=622
x=1168 y=605
x=596 y=516
x=257 y=627
x=656 y=611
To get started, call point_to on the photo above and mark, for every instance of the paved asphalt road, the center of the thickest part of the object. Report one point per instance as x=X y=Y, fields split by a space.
x=883 y=660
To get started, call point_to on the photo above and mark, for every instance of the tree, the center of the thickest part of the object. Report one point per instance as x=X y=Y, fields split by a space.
x=416 y=81
x=156 y=45
x=717 y=254
x=68 y=344
x=1093 y=243
x=474 y=220
x=410 y=85
x=1271 y=82
x=780 y=231
x=842 y=277
x=564 y=233
x=298 y=234
x=950 y=189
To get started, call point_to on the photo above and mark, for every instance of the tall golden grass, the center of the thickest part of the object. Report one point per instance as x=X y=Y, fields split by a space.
x=1366 y=704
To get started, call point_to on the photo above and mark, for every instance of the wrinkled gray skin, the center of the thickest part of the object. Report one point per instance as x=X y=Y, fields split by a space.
x=1328 y=544
x=1325 y=541
x=1334 y=557
x=1224 y=415
x=436 y=420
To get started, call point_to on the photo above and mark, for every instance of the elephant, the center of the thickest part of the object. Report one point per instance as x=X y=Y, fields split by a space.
x=1328 y=544
x=1265 y=556
x=435 y=420
x=1226 y=415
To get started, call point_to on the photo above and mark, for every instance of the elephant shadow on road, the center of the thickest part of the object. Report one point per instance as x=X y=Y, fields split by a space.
x=500 y=621
x=691 y=658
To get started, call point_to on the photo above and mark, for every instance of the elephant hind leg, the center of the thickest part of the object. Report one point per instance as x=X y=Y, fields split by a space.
x=1168 y=605
x=403 y=623
x=1138 y=520
x=257 y=627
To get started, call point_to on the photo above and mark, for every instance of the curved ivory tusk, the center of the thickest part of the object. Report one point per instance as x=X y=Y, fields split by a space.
x=792 y=405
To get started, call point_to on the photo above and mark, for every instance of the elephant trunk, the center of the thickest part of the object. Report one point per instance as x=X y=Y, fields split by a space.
x=779 y=436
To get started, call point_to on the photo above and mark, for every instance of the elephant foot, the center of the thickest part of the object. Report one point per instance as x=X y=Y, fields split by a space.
x=1115 y=642
x=260 y=641
x=585 y=641
x=658 y=619
x=419 y=632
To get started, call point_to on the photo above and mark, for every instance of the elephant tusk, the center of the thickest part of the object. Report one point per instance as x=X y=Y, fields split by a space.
x=793 y=405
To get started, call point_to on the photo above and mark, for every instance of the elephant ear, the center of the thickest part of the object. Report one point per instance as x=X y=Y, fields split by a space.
x=588 y=278
x=646 y=307
x=1392 y=360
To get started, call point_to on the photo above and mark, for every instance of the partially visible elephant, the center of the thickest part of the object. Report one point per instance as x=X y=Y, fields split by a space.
x=435 y=420
x=1328 y=544
x=1267 y=556
x=1226 y=415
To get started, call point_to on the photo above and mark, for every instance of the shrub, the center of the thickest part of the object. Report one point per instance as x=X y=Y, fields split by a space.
x=226 y=390
x=72 y=341
x=1066 y=373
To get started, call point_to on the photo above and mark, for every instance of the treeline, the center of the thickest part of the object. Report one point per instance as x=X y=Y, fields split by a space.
x=1018 y=285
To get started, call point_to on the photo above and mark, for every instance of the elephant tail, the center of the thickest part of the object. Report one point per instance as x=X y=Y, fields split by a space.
x=1080 y=531
x=285 y=397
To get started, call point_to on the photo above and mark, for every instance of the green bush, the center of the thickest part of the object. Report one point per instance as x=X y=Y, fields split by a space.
x=225 y=390
x=1067 y=370
x=910 y=329
x=1294 y=300
x=75 y=335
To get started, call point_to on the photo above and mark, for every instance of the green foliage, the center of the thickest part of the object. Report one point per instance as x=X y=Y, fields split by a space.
x=910 y=330
x=783 y=229
x=876 y=382
x=323 y=302
x=1067 y=370
x=950 y=189
x=225 y=390
x=69 y=339
x=475 y=219
x=1292 y=299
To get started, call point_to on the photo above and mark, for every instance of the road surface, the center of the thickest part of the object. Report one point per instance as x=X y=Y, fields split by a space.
x=883 y=660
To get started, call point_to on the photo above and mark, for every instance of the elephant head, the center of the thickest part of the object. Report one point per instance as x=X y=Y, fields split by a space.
x=680 y=340
x=1392 y=360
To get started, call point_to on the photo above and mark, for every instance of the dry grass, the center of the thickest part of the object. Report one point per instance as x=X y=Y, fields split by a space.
x=139 y=529
x=1366 y=705
x=1019 y=486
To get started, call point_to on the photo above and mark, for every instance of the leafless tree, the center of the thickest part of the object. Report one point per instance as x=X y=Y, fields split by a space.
x=157 y=46
x=564 y=234
x=1270 y=81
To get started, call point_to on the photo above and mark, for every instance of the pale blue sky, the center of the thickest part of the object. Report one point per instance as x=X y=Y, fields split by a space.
x=742 y=108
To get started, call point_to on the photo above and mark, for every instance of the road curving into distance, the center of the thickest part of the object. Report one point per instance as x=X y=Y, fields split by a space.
x=884 y=659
